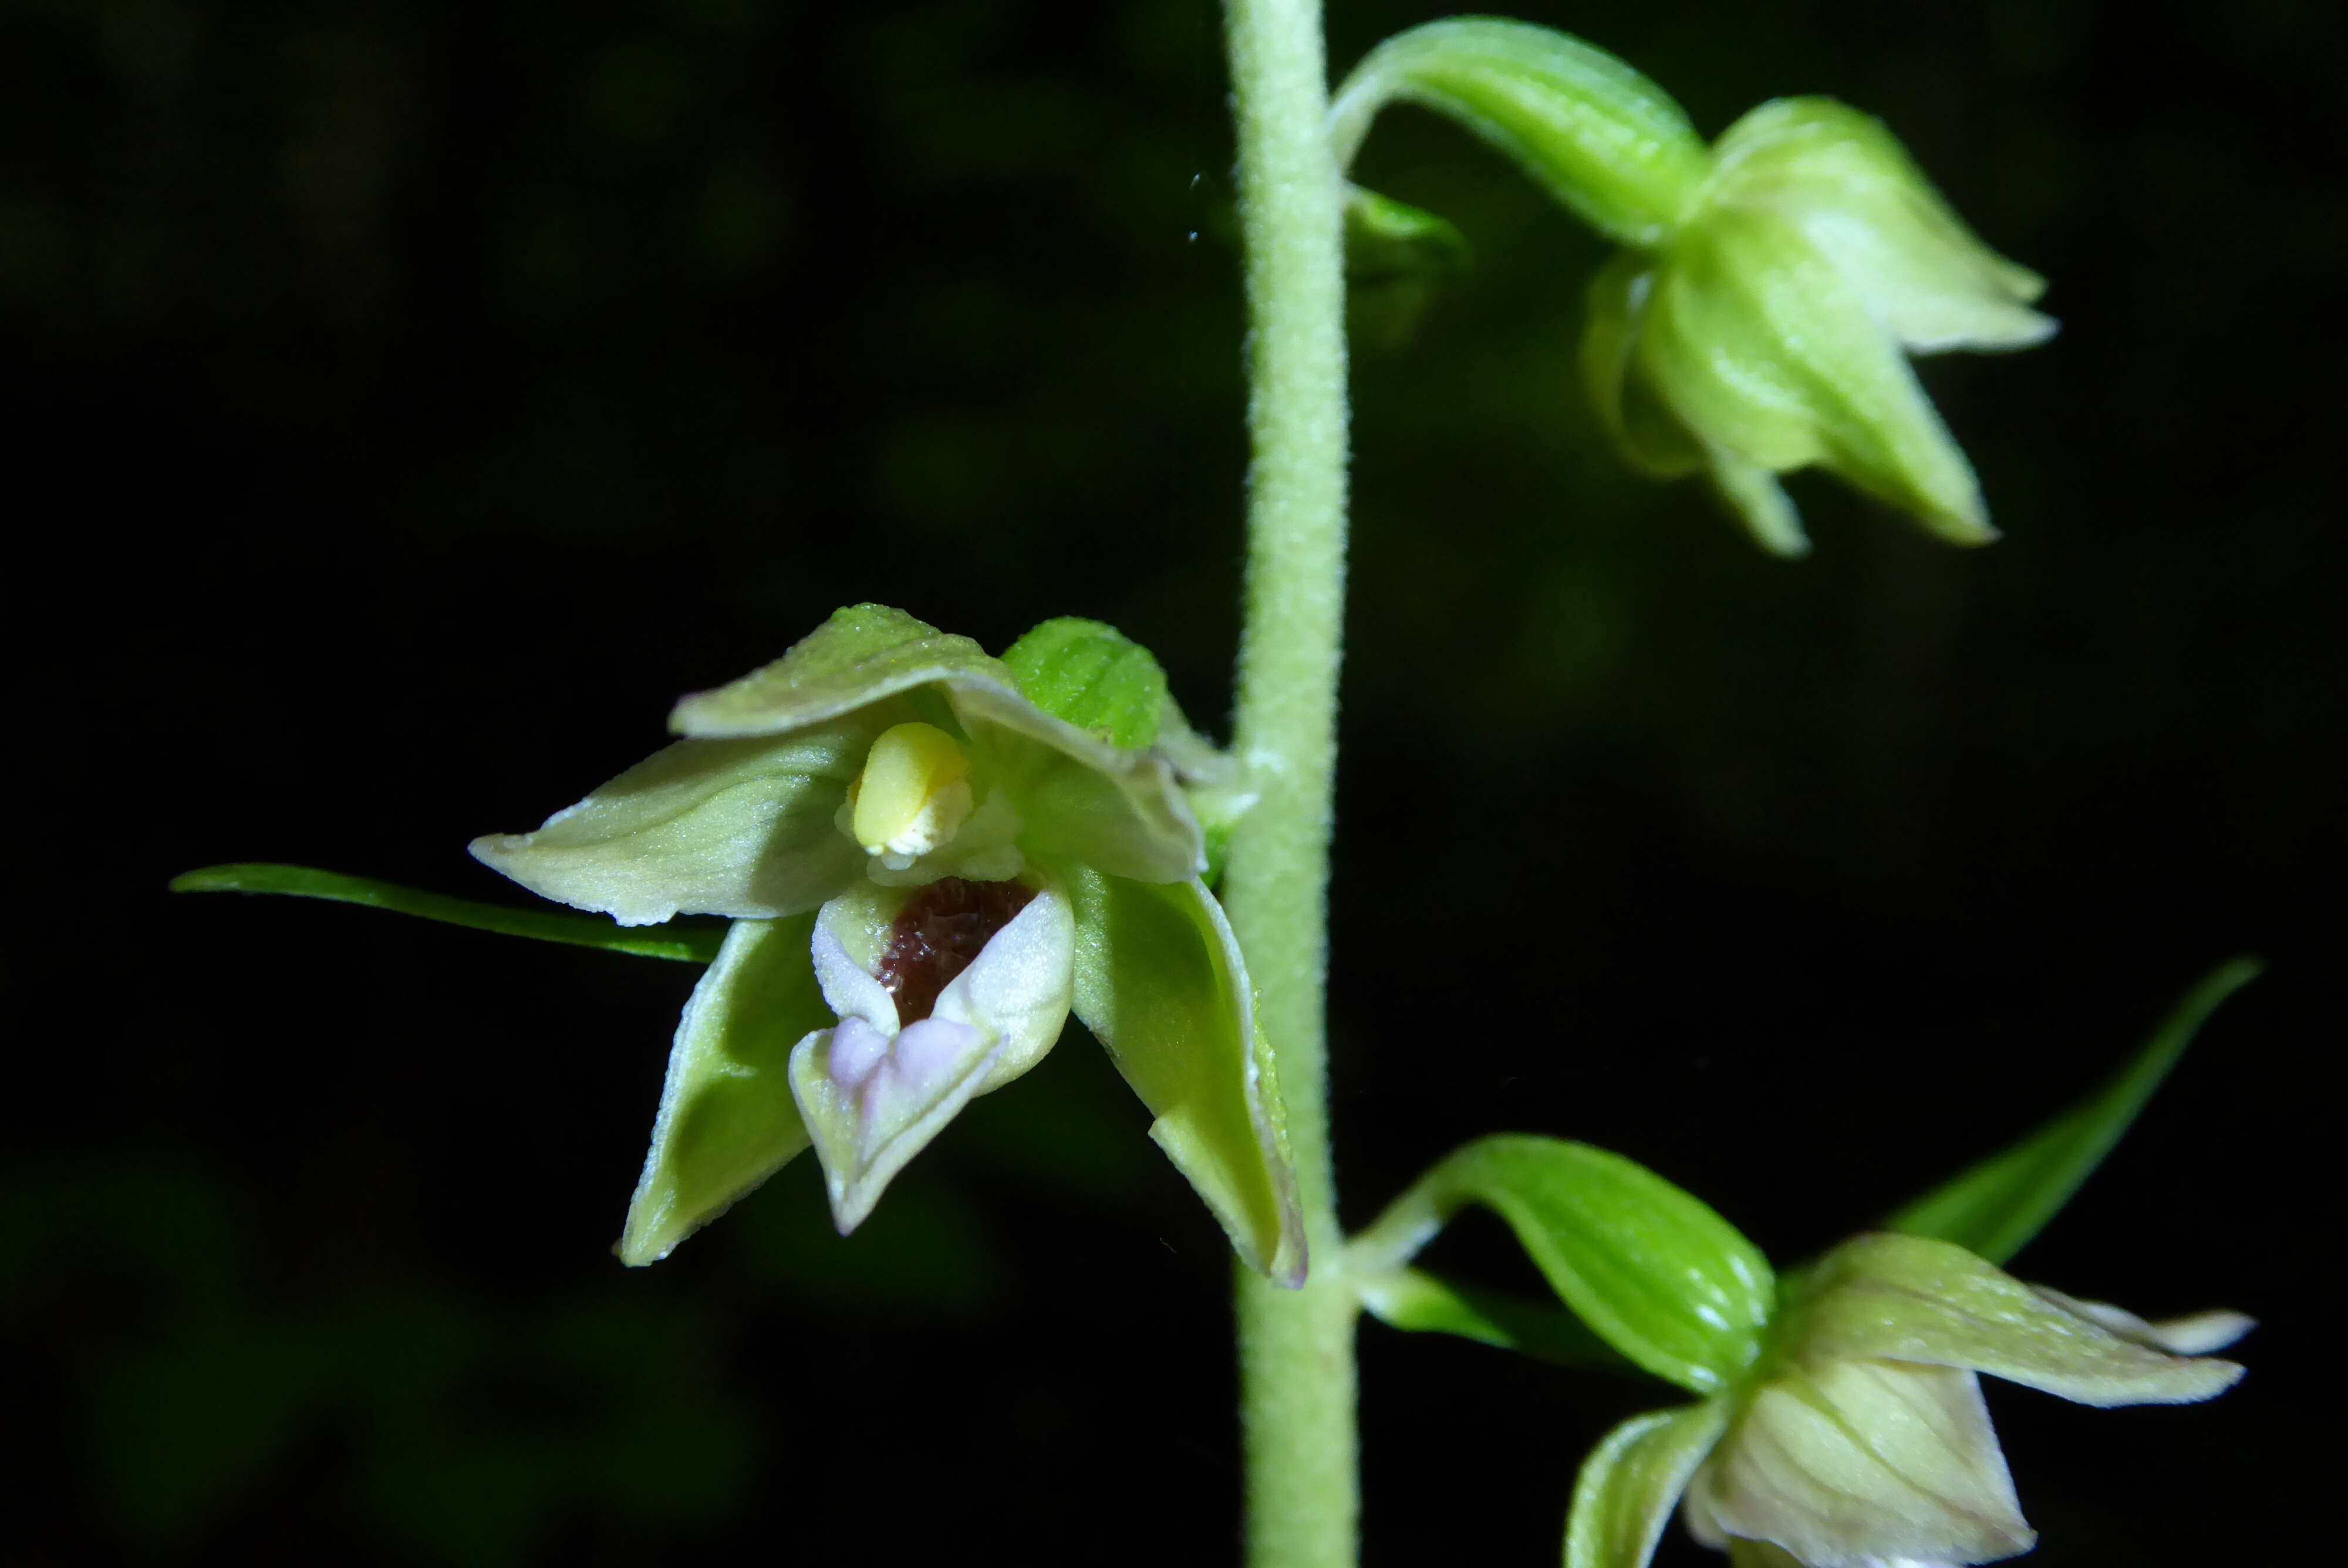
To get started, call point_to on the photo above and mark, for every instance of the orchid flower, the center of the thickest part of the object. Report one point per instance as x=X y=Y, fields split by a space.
x=927 y=870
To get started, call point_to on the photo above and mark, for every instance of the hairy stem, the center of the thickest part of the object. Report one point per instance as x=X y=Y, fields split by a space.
x=1296 y=1346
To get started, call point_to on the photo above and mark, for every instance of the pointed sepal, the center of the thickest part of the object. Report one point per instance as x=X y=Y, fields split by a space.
x=726 y=1121
x=1161 y=983
x=742 y=828
x=1092 y=676
x=1626 y=1490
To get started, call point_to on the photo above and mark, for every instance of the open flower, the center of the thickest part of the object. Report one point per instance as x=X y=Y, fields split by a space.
x=927 y=872
x=1859 y=1437
x=1764 y=332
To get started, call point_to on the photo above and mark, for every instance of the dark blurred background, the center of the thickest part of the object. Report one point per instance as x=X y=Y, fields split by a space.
x=402 y=401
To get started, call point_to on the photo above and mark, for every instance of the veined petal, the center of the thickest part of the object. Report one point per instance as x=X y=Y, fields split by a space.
x=863 y=654
x=741 y=828
x=1853 y=1462
x=2197 y=1334
x=873 y=1100
x=727 y=1121
x=1760 y=345
x=1159 y=981
x=1908 y=1298
x=1081 y=800
x=1849 y=185
x=1624 y=1496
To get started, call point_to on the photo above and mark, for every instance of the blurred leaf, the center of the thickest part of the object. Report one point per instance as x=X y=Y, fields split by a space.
x=1385 y=239
x=685 y=943
x=1994 y=1208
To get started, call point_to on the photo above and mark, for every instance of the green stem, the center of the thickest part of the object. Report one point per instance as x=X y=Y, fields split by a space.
x=1296 y=1346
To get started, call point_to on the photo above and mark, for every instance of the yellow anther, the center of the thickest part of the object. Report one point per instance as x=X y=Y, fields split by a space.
x=913 y=795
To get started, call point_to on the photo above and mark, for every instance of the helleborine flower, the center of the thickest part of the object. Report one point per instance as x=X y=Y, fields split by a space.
x=1766 y=333
x=1756 y=321
x=1859 y=1437
x=927 y=872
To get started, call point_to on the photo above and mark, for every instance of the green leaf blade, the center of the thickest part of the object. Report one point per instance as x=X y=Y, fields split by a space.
x=1994 y=1208
x=687 y=945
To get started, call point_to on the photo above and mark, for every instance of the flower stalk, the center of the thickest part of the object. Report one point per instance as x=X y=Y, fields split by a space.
x=1296 y=1346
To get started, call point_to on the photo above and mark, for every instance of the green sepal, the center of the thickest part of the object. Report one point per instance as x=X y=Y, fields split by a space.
x=726 y=1121
x=1758 y=340
x=1625 y=1495
x=1994 y=1209
x=1094 y=677
x=863 y=653
x=1846 y=178
x=1603 y=140
x=1649 y=1267
x=1161 y=983
x=1918 y=1302
x=685 y=943
x=1418 y=1302
x=1388 y=241
x=740 y=828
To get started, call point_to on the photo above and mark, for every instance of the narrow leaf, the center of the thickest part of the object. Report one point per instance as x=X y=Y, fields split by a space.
x=1994 y=1209
x=685 y=944
x=1419 y=1303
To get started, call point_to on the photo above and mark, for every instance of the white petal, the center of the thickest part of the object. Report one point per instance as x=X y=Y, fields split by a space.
x=1019 y=986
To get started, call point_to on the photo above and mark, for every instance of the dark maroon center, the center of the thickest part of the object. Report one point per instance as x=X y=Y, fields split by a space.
x=938 y=933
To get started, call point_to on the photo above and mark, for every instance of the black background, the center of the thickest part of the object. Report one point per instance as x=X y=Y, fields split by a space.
x=404 y=401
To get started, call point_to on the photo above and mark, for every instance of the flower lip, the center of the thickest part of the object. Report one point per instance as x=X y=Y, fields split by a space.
x=941 y=928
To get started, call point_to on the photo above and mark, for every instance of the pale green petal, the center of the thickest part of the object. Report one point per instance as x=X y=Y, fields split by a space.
x=2197 y=1334
x=1761 y=345
x=1908 y=1298
x=1648 y=434
x=727 y=1121
x=741 y=828
x=1624 y=1496
x=863 y=654
x=1159 y=981
x=1081 y=800
x=1849 y=185
x=1852 y=1461
x=1760 y=503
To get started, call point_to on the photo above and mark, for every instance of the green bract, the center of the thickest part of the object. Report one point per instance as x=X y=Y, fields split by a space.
x=1759 y=318
x=1655 y=1274
x=1858 y=1436
x=928 y=871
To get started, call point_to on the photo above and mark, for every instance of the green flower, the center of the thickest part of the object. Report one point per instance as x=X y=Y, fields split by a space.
x=927 y=872
x=1758 y=319
x=1766 y=332
x=1857 y=1438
